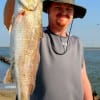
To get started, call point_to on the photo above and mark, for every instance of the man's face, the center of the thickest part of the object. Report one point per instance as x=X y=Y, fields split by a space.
x=60 y=14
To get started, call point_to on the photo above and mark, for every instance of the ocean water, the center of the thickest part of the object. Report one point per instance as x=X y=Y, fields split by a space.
x=92 y=57
x=4 y=51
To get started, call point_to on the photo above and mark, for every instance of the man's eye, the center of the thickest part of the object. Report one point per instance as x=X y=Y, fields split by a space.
x=69 y=9
x=58 y=8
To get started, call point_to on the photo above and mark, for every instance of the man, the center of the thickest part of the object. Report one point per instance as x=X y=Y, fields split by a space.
x=62 y=71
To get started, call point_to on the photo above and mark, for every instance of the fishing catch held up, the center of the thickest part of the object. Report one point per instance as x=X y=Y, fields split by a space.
x=25 y=37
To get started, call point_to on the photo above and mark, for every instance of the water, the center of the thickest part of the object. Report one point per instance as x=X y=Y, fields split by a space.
x=4 y=51
x=92 y=57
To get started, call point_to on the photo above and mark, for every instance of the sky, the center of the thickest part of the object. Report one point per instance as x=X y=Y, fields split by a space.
x=87 y=29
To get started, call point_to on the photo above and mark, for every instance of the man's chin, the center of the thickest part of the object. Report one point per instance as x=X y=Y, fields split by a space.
x=62 y=24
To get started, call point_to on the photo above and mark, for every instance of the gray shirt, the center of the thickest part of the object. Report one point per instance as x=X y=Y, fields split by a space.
x=59 y=76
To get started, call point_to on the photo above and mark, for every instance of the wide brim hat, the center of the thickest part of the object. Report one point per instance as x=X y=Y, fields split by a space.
x=79 y=11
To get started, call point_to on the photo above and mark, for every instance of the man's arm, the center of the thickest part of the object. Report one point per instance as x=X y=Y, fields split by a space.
x=86 y=85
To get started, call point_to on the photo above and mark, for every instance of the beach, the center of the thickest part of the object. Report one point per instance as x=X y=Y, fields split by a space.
x=7 y=94
x=7 y=91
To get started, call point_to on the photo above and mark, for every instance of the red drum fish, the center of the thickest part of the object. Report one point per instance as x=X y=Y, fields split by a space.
x=25 y=36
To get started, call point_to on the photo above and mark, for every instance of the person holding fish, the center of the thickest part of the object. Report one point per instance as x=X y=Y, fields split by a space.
x=62 y=71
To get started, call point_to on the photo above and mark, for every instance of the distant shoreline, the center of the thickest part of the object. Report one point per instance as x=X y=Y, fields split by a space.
x=86 y=48
x=92 y=48
x=4 y=46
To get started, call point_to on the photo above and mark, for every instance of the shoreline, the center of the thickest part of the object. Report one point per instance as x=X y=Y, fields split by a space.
x=7 y=91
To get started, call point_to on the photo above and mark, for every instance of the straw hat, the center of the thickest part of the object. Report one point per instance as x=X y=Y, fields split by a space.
x=79 y=10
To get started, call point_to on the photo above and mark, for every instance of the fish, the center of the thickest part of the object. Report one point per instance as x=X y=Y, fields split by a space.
x=25 y=36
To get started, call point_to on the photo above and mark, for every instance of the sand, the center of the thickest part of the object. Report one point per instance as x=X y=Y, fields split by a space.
x=7 y=94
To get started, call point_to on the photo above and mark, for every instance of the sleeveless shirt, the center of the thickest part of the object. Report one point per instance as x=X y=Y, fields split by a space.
x=59 y=76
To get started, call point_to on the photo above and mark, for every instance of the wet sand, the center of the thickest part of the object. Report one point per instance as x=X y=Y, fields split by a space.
x=7 y=94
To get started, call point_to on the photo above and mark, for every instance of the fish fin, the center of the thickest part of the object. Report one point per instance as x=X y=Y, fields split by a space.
x=8 y=12
x=8 y=77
